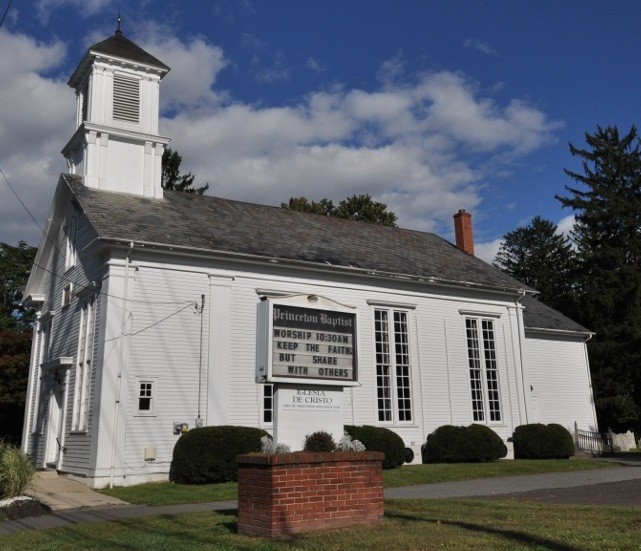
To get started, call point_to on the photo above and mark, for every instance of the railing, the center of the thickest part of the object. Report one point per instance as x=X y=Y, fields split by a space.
x=593 y=442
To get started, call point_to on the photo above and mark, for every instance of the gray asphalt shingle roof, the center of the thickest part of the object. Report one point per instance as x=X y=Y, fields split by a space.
x=118 y=45
x=225 y=226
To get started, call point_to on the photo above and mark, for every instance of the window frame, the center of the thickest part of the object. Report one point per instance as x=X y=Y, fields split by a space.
x=84 y=366
x=392 y=350
x=71 y=230
x=483 y=369
x=153 y=397
x=45 y=327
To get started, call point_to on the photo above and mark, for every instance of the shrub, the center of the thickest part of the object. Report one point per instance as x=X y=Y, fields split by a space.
x=538 y=441
x=381 y=440
x=268 y=447
x=349 y=444
x=454 y=444
x=208 y=454
x=16 y=470
x=319 y=441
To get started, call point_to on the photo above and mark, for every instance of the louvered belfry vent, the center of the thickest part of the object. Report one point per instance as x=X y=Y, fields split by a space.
x=126 y=98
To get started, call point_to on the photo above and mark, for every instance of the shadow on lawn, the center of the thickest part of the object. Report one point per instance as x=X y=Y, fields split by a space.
x=508 y=534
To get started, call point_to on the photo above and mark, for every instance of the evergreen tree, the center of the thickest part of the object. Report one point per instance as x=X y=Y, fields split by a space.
x=543 y=259
x=356 y=207
x=172 y=179
x=607 y=207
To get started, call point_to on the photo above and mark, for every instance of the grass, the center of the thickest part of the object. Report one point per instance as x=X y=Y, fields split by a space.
x=165 y=493
x=408 y=525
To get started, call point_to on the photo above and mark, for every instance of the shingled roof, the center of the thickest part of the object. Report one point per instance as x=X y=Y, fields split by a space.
x=216 y=225
x=118 y=45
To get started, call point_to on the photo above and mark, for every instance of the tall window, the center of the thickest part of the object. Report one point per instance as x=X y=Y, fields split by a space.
x=126 y=105
x=70 y=239
x=393 y=369
x=42 y=355
x=83 y=367
x=484 y=377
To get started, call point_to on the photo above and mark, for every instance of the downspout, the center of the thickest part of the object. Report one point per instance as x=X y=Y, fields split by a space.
x=120 y=362
x=521 y=332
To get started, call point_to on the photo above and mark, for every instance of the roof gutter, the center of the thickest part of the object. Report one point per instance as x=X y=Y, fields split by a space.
x=316 y=266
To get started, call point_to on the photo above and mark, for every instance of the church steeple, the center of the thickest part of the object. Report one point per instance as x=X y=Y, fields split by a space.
x=116 y=145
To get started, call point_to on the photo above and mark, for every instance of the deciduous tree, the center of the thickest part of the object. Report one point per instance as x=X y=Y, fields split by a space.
x=356 y=207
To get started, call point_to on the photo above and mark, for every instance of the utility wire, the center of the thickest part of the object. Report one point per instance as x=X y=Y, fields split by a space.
x=17 y=196
x=68 y=279
x=5 y=13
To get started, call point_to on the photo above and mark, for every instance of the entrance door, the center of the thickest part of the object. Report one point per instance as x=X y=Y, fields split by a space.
x=54 y=428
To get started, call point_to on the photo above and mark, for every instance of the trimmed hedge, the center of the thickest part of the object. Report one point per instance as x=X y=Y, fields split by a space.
x=456 y=444
x=208 y=454
x=380 y=439
x=538 y=441
x=320 y=441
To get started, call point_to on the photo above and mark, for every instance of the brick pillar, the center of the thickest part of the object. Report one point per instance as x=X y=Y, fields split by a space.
x=463 y=231
x=285 y=494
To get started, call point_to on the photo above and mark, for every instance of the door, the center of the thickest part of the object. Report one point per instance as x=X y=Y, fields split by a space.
x=54 y=428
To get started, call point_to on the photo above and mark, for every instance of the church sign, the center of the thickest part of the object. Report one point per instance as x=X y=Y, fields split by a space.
x=305 y=342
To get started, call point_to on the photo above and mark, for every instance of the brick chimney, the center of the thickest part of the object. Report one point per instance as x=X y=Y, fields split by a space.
x=463 y=231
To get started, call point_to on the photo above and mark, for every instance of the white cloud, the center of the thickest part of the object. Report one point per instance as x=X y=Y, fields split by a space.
x=480 y=46
x=487 y=251
x=315 y=65
x=406 y=143
x=194 y=65
x=566 y=225
x=32 y=131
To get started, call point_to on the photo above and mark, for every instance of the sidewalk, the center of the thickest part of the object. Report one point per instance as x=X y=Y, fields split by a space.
x=487 y=487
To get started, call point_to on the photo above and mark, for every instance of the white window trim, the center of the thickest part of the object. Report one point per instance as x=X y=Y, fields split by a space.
x=484 y=370
x=154 y=396
x=394 y=396
x=45 y=327
x=67 y=295
x=84 y=366
x=71 y=230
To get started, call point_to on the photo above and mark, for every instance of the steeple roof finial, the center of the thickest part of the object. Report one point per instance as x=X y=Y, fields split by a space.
x=119 y=30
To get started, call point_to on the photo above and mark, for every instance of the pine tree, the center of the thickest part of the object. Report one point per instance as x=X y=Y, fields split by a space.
x=172 y=179
x=607 y=207
x=542 y=258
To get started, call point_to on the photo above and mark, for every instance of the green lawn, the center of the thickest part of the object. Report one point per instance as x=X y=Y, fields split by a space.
x=408 y=525
x=165 y=493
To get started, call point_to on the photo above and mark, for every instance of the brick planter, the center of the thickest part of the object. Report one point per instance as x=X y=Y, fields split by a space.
x=285 y=494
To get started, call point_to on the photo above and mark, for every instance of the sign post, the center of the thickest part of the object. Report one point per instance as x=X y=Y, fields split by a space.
x=307 y=350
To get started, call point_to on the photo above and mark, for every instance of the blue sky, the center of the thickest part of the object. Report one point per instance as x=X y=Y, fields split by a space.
x=428 y=106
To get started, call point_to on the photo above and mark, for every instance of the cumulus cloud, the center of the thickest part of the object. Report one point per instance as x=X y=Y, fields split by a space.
x=32 y=131
x=423 y=144
x=487 y=251
x=194 y=64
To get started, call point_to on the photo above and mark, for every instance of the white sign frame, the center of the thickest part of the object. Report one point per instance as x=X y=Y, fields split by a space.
x=344 y=359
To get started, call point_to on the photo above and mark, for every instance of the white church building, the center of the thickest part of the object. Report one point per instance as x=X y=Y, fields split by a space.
x=150 y=309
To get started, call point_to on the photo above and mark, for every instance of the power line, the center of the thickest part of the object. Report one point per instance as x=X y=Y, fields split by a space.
x=5 y=13
x=68 y=279
x=18 y=198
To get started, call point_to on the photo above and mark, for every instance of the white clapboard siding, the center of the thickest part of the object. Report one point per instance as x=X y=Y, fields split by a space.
x=165 y=348
x=558 y=374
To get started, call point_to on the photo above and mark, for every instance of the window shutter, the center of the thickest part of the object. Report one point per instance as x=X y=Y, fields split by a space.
x=126 y=99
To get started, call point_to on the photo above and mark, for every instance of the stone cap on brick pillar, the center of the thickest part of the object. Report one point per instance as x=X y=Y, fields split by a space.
x=308 y=457
x=463 y=231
